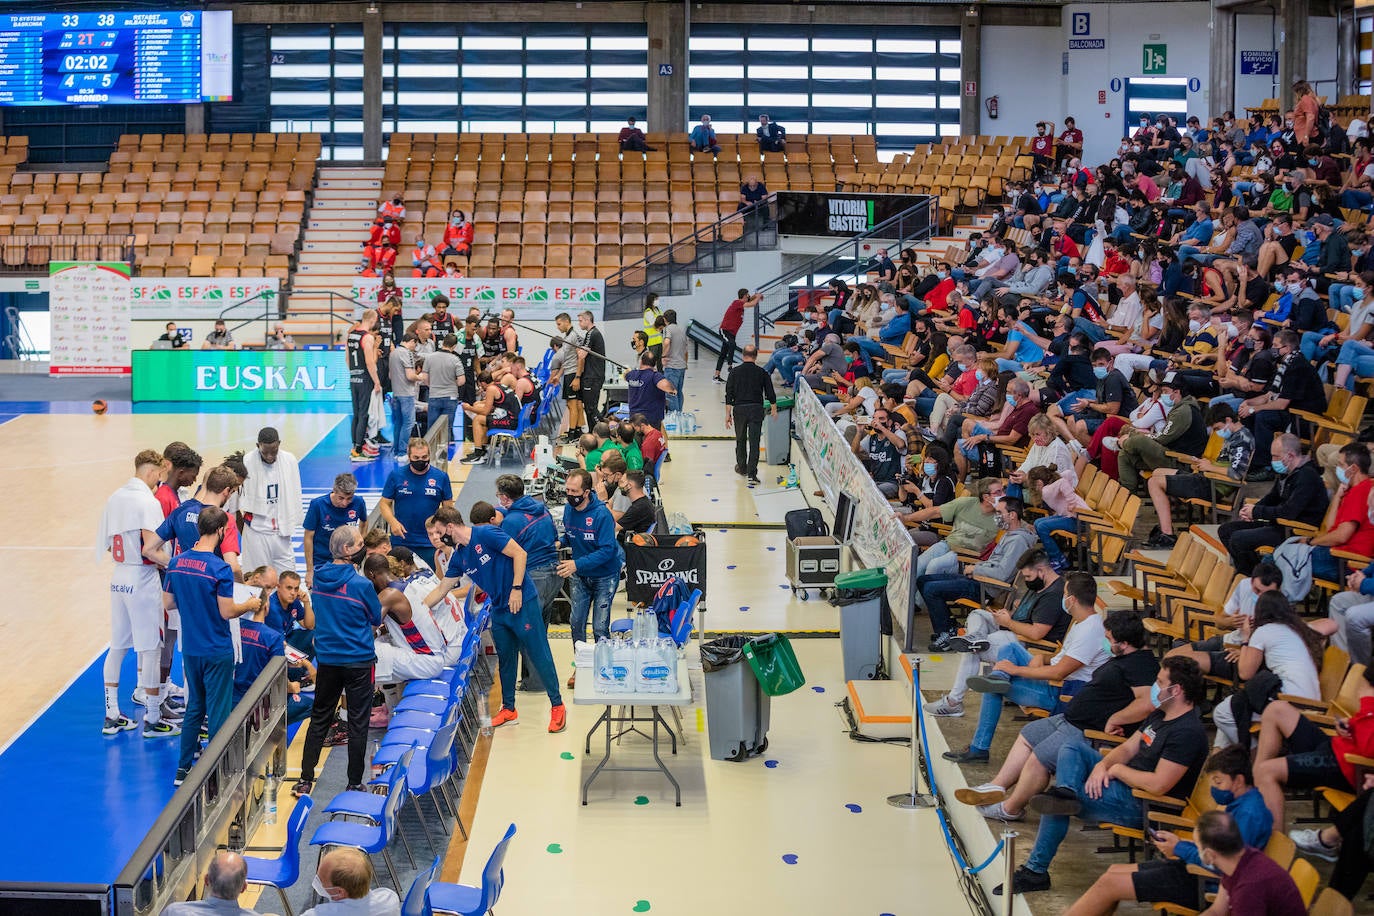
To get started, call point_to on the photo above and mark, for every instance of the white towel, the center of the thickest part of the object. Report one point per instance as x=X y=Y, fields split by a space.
x=253 y=499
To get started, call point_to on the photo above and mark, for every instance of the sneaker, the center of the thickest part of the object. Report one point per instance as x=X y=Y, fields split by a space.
x=718 y=380
x=338 y=735
x=161 y=729
x=174 y=691
x=753 y=480
x=173 y=701
x=998 y=812
x=379 y=439
x=180 y=777
x=139 y=697
x=739 y=469
x=988 y=793
x=967 y=644
x=120 y=723
x=172 y=713
x=303 y=788
x=1309 y=842
x=1058 y=800
x=969 y=755
x=356 y=787
x=507 y=716
x=939 y=641
x=1161 y=541
x=370 y=450
x=1025 y=881
x=477 y=457
x=990 y=683
x=946 y=708
x=558 y=719
x=380 y=718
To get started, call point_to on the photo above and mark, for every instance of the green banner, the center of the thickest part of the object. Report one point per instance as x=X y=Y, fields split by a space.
x=241 y=376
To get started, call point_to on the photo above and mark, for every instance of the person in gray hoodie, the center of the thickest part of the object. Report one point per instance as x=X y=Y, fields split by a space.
x=940 y=590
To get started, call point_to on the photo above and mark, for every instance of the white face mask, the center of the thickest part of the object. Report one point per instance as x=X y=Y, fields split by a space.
x=1195 y=326
x=318 y=887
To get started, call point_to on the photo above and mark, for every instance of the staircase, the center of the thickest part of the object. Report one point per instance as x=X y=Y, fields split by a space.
x=342 y=210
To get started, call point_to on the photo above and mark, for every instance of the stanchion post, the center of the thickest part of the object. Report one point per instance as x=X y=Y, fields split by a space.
x=914 y=798
x=1008 y=869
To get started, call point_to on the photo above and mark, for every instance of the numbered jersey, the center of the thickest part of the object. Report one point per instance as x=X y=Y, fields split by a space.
x=444 y=622
x=130 y=511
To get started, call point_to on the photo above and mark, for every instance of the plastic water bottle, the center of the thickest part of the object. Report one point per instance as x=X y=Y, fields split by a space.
x=485 y=717
x=376 y=767
x=270 y=817
x=605 y=668
x=793 y=479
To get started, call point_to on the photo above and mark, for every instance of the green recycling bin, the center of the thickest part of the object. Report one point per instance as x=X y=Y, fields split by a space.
x=777 y=433
x=860 y=595
x=774 y=663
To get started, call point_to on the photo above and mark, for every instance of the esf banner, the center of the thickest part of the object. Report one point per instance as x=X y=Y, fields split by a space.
x=818 y=213
x=186 y=298
x=241 y=376
x=647 y=568
x=532 y=300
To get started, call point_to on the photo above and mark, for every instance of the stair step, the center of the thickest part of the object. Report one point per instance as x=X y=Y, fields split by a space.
x=354 y=195
x=357 y=172
x=332 y=245
x=332 y=221
x=370 y=184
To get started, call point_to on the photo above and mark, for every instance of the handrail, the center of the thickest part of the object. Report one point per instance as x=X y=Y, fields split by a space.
x=346 y=318
x=273 y=313
x=268 y=296
x=220 y=803
x=884 y=230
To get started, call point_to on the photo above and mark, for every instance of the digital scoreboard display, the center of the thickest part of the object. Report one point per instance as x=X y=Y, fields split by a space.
x=116 y=58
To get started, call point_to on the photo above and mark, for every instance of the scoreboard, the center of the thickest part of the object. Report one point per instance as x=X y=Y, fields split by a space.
x=116 y=58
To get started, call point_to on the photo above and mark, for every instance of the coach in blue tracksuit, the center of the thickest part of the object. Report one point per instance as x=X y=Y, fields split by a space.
x=528 y=522
x=346 y=612
x=597 y=558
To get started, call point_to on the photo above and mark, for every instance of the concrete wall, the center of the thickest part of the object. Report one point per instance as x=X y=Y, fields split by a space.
x=1022 y=66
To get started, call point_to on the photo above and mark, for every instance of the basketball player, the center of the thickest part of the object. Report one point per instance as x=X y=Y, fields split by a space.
x=271 y=504
x=363 y=380
x=414 y=650
x=127 y=529
x=183 y=467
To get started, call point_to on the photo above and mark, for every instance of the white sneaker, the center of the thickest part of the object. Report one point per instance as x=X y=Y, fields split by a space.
x=171 y=689
x=996 y=812
x=987 y=794
x=1309 y=842
x=946 y=709
x=1111 y=443
x=140 y=697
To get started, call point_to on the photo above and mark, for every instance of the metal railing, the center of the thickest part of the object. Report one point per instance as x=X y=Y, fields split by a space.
x=708 y=249
x=272 y=311
x=30 y=254
x=917 y=222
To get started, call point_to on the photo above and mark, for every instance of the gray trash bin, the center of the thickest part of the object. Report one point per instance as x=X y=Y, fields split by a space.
x=777 y=433
x=859 y=594
x=737 y=709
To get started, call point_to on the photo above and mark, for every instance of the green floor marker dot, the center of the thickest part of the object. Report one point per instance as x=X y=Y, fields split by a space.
x=566 y=755
x=641 y=800
x=555 y=848
x=642 y=906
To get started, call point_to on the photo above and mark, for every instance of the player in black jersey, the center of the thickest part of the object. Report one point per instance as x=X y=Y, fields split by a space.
x=363 y=379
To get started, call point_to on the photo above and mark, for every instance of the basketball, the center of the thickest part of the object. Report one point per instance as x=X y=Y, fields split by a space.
x=644 y=540
x=687 y=540
x=98 y=406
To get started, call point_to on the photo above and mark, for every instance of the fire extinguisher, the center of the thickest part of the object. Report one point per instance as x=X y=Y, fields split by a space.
x=992 y=107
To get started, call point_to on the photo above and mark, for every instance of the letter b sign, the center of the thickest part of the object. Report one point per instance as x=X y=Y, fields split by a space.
x=1081 y=23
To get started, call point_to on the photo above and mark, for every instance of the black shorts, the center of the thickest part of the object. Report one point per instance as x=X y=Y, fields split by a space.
x=1166 y=881
x=1187 y=486
x=1311 y=761
x=1219 y=665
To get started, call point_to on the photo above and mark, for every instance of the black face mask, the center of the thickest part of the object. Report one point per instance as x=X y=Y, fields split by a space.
x=447 y=540
x=419 y=467
x=358 y=556
x=1035 y=585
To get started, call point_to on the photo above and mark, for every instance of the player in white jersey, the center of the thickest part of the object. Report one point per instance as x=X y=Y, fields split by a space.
x=417 y=581
x=127 y=533
x=270 y=500
x=414 y=650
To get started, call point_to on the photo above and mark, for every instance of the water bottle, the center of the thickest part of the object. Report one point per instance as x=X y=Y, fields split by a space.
x=605 y=670
x=376 y=767
x=270 y=817
x=485 y=716
x=792 y=478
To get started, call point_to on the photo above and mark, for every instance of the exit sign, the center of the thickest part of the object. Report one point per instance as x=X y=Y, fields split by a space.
x=1155 y=60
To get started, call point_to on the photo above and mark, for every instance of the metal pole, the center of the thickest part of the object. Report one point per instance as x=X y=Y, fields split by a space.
x=914 y=798
x=1008 y=868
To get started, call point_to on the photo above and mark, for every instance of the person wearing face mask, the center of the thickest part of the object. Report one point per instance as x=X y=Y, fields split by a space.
x=597 y=558
x=347 y=611
x=530 y=524
x=1114 y=700
x=1168 y=880
x=1334 y=256
x=1184 y=431
x=1238 y=445
x=344 y=879
x=974 y=526
x=458 y=236
x=1166 y=753
x=1295 y=386
x=410 y=495
x=1025 y=679
x=1299 y=494
x=977 y=410
x=1251 y=882
x=939 y=590
x=1012 y=428
x=1347 y=292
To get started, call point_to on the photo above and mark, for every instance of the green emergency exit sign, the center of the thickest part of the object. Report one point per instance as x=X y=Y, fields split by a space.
x=1155 y=60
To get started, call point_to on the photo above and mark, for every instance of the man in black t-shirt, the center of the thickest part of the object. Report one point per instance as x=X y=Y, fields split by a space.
x=1164 y=757
x=882 y=451
x=1114 y=700
x=640 y=515
x=591 y=367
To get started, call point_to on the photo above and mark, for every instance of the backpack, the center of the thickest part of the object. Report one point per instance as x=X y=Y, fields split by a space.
x=1294 y=560
x=805 y=523
x=1323 y=122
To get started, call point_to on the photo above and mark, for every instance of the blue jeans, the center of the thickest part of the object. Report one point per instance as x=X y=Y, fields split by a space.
x=1067 y=401
x=895 y=376
x=1043 y=527
x=1342 y=296
x=1008 y=365
x=1024 y=692
x=527 y=630
x=440 y=408
x=594 y=596
x=677 y=377
x=938 y=591
x=869 y=346
x=925 y=403
x=1358 y=355
x=402 y=420
x=1356 y=200
x=1325 y=566
x=1117 y=805
x=209 y=695
x=1234 y=400
x=937 y=558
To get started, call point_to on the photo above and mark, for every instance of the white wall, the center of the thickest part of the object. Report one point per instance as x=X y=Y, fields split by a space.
x=1125 y=28
x=1321 y=56
x=1023 y=68
x=1255 y=33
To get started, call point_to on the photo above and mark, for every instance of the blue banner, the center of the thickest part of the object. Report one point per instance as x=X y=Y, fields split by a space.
x=1259 y=63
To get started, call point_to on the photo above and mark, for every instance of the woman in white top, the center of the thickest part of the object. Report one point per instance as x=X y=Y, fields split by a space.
x=1143 y=320
x=1281 y=641
x=1102 y=449
x=1046 y=449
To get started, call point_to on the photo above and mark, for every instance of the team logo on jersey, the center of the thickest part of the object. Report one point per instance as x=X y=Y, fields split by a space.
x=589 y=522
x=477 y=548
x=433 y=482
x=352 y=513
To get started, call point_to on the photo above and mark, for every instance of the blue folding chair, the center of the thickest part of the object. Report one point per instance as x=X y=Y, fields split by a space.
x=285 y=870
x=376 y=837
x=501 y=440
x=466 y=900
x=417 y=898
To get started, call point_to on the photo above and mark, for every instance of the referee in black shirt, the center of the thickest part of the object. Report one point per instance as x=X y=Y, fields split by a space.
x=747 y=389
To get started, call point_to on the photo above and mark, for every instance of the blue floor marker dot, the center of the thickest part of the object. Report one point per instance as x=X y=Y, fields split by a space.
x=746 y=607
x=714 y=500
x=790 y=858
x=771 y=548
x=731 y=567
x=856 y=809
x=771 y=764
x=822 y=690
